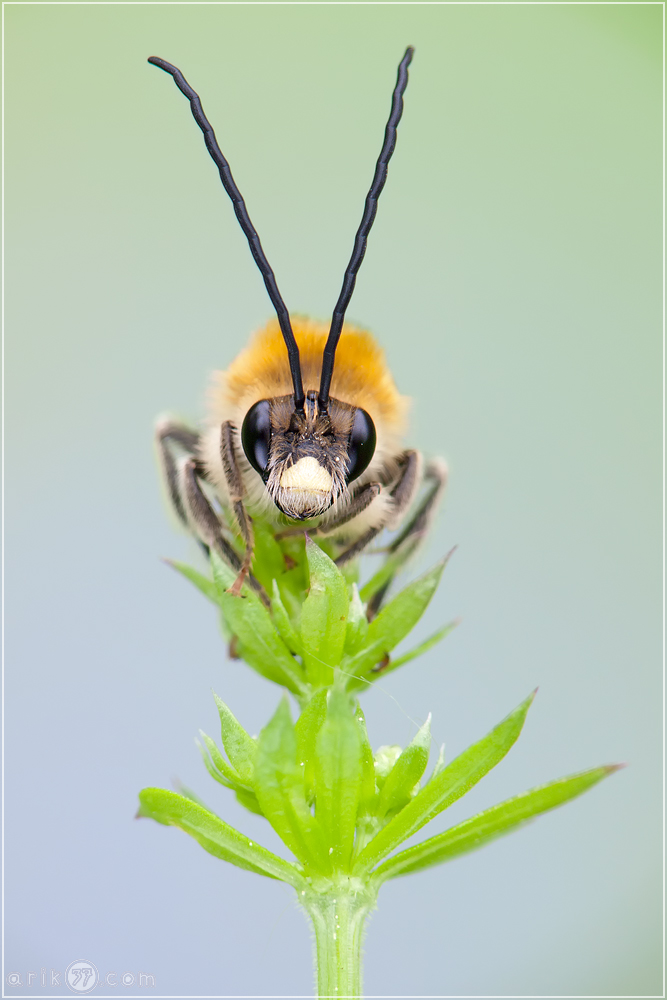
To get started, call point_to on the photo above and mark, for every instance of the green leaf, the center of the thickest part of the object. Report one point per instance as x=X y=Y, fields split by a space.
x=491 y=823
x=306 y=729
x=338 y=776
x=423 y=647
x=293 y=581
x=367 y=821
x=224 y=576
x=357 y=624
x=189 y=794
x=239 y=745
x=439 y=764
x=215 y=763
x=399 y=784
x=259 y=643
x=267 y=558
x=201 y=582
x=280 y=792
x=283 y=622
x=389 y=569
x=395 y=621
x=248 y=800
x=323 y=616
x=349 y=569
x=214 y=835
x=368 y=787
x=446 y=787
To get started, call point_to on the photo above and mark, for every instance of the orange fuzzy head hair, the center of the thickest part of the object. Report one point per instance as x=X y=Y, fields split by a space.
x=360 y=377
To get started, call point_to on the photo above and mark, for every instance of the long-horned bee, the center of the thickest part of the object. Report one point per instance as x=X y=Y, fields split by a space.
x=304 y=429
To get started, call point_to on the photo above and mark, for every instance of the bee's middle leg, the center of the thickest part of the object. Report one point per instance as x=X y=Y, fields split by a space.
x=401 y=493
x=414 y=531
x=435 y=476
x=167 y=434
x=236 y=491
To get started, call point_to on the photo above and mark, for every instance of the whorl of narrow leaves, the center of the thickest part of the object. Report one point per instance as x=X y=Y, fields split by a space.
x=338 y=808
x=335 y=808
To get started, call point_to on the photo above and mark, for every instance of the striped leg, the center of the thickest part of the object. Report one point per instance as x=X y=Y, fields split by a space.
x=414 y=531
x=234 y=481
x=205 y=524
x=401 y=493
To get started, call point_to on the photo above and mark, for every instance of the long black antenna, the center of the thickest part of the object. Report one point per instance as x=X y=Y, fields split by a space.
x=244 y=220
x=367 y=219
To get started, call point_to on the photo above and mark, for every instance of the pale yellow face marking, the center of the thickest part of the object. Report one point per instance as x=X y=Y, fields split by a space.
x=308 y=475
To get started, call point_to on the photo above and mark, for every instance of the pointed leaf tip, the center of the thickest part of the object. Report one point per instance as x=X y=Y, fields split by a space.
x=239 y=746
x=402 y=781
x=201 y=582
x=395 y=621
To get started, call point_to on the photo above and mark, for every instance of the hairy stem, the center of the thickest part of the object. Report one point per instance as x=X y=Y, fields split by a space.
x=338 y=915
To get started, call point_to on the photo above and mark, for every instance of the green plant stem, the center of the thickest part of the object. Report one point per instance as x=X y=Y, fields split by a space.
x=338 y=915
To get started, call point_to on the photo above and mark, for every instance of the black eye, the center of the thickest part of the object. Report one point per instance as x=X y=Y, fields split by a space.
x=361 y=446
x=256 y=435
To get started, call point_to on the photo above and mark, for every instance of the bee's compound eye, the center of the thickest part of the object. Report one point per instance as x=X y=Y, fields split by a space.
x=256 y=435
x=361 y=446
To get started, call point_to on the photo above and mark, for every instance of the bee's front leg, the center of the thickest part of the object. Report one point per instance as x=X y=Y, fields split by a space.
x=201 y=517
x=204 y=522
x=236 y=491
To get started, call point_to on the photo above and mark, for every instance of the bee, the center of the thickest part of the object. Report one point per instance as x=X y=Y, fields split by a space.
x=304 y=429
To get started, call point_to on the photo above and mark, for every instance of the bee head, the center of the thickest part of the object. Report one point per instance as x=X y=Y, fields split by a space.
x=307 y=457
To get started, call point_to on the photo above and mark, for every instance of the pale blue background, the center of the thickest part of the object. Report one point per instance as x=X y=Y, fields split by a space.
x=514 y=276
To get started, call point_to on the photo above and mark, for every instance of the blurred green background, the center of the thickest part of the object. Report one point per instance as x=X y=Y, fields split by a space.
x=514 y=277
